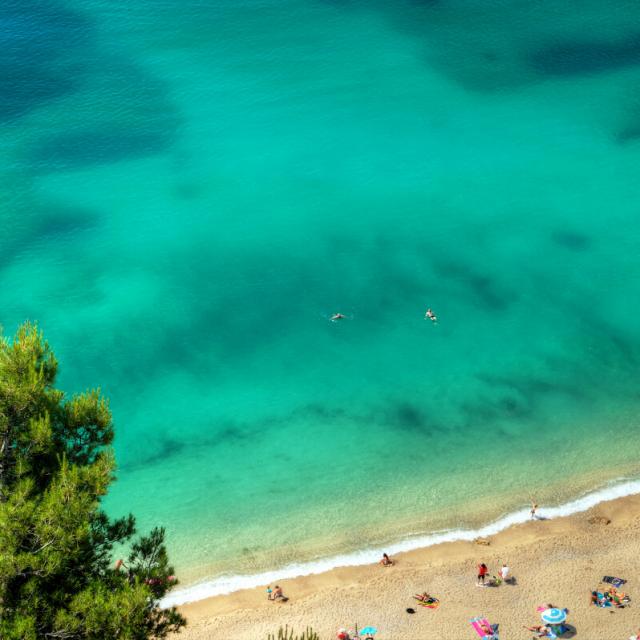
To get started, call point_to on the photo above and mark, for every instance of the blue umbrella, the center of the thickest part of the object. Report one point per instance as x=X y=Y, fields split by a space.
x=368 y=631
x=554 y=616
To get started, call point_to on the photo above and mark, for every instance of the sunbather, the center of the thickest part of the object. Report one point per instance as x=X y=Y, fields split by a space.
x=423 y=597
x=485 y=630
x=278 y=595
x=616 y=597
x=540 y=629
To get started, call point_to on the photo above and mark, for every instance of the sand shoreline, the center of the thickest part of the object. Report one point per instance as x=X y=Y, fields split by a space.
x=558 y=560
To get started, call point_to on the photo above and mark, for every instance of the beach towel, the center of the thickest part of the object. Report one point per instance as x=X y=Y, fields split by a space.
x=479 y=623
x=602 y=601
x=616 y=582
x=430 y=603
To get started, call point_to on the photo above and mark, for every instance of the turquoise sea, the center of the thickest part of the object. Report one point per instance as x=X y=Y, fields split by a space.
x=189 y=189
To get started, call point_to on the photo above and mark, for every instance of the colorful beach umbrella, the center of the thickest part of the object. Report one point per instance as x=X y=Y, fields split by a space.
x=368 y=631
x=554 y=616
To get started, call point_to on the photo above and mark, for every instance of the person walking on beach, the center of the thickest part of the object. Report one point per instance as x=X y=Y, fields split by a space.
x=534 y=508
x=482 y=572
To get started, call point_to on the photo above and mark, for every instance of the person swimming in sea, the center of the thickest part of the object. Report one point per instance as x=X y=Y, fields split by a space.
x=337 y=316
x=429 y=315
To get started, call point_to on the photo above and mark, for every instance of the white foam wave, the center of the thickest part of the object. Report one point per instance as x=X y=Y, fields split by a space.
x=228 y=584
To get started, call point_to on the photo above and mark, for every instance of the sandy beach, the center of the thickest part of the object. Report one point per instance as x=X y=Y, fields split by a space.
x=553 y=561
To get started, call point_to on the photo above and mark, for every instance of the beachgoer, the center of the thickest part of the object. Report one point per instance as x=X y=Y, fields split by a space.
x=429 y=315
x=422 y=597
x=269 y=593
x=482 y=572
x=277 y=594
x=540 y=629
x=337 y=316
x=386 y=560
x=504 y=572
x=534 y=508
x=343 y=634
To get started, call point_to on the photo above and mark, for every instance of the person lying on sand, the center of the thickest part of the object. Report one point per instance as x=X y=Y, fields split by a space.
x=540 y=629
x=386 y=560
x=423 y=597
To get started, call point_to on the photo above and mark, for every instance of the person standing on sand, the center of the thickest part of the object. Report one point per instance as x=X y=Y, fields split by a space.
x=534 y=508
x=482 y=572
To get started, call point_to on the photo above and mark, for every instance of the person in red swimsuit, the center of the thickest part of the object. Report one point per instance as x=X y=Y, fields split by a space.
x=482 y=572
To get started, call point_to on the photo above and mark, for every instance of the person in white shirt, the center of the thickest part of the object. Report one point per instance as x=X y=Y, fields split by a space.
x=504 y=572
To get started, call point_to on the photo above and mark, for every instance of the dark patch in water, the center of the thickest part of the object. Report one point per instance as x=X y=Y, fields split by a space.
x=61 y=221
x=408 y=416
x=92 y=147
x=41 y=54
x=486 y=411
x=584 y=57
x=231 y=434
x=573 y=240
x=487 y=290
x=628 y=135
x=321 y=411
x=164 y=448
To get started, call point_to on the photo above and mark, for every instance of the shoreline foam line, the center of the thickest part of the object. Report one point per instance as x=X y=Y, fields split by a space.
x=228 y=584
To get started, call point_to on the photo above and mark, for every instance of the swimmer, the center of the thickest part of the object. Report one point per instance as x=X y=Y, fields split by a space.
x=337 y=316
x=430 y=316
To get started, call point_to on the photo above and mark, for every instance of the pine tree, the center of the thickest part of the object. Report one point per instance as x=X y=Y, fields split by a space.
x=57 y=578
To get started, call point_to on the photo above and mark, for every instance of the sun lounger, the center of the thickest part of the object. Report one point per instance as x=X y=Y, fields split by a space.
x=616 y=582
x=479 y=623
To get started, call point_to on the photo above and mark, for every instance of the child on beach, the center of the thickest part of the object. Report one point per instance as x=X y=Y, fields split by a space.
x=482 y=572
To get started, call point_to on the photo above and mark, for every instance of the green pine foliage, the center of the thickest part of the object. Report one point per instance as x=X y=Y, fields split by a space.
x=57 y=578
x=287 y=634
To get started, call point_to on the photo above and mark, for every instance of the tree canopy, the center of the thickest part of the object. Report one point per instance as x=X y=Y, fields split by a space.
x=57 y=576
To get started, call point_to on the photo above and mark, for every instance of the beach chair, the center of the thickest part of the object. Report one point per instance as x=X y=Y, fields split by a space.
x=481 y=625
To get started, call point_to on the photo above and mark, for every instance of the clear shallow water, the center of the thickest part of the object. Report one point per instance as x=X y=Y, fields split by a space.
x=189 y=190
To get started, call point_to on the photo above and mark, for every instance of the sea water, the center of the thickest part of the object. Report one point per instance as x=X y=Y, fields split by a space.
x=189 y=190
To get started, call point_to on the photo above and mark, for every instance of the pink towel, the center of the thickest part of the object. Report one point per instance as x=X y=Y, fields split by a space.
x=477 y=624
